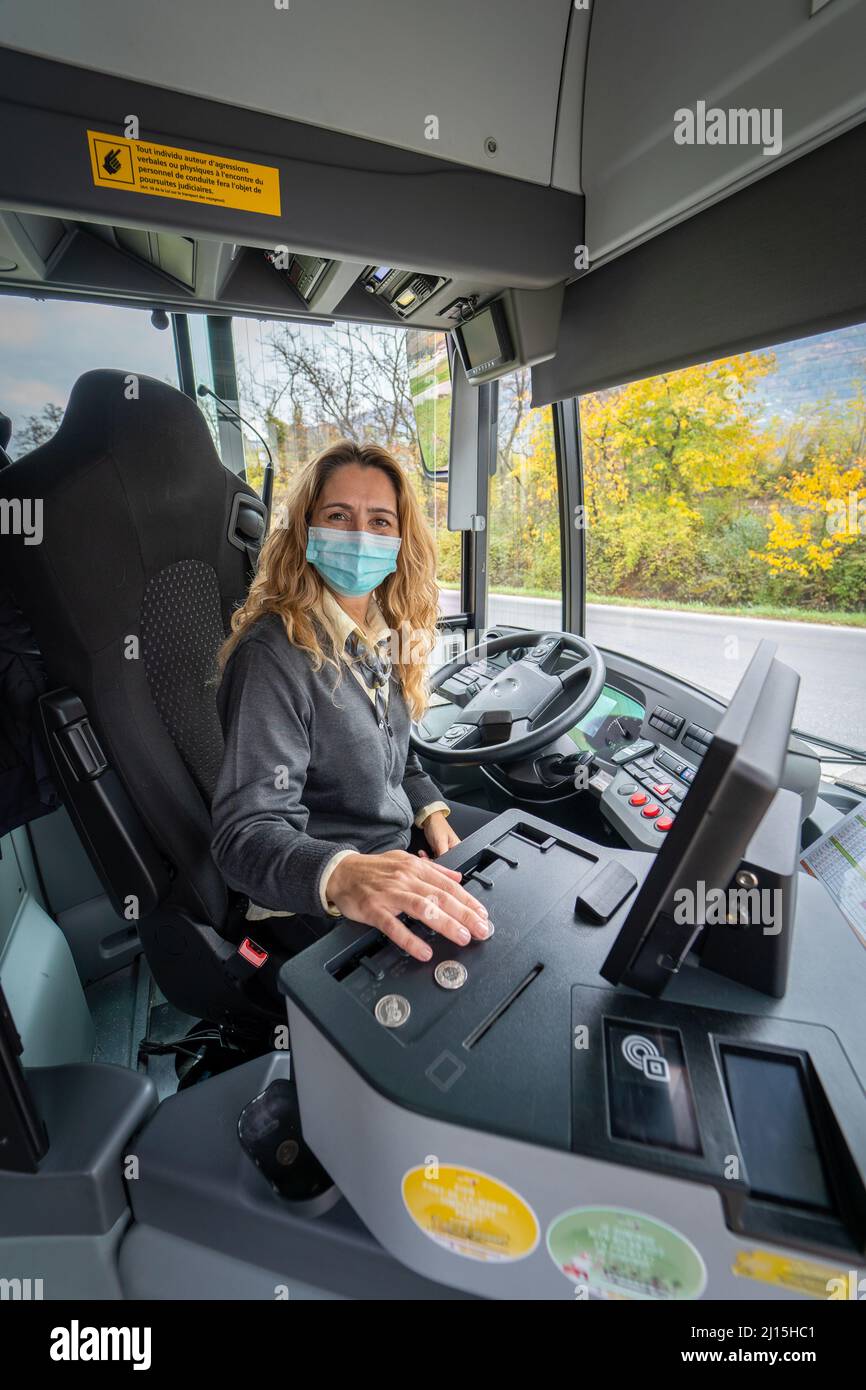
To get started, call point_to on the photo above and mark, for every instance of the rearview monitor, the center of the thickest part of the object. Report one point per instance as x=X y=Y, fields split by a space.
x=735 y=784
x=484 y=341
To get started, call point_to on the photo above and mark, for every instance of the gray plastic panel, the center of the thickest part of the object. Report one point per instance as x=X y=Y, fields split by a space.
x=156 y=1265
x=90 y=1113
x=646 y=62
x=19 y=838
x=343 y=197
x=66 y=1267
x=376 y=70
x=44 y=991
x=37 y=967
x=197 y=1184
x=67 y=872
x=100 y=940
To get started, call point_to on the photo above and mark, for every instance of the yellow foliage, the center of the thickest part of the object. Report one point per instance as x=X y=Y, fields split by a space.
x=808 y=537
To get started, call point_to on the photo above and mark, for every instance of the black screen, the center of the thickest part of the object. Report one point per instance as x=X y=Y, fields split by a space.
x=648 y=1089
x=735 y=784
x=775 y=1130
x=481 y=339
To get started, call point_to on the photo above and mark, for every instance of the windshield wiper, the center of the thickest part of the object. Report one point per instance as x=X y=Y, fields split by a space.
x=855 y=755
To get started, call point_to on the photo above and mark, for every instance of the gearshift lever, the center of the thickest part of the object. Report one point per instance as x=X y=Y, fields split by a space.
x=570 y=765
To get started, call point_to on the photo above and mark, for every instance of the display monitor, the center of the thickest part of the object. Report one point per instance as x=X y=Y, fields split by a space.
x=484 y=340
x=735 y=784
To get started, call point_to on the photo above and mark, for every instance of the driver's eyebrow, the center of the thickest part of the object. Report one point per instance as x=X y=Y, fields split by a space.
x=347 y=506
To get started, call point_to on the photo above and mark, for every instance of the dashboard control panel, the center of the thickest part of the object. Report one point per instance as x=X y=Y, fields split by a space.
x=645 y=796
x=666 y=721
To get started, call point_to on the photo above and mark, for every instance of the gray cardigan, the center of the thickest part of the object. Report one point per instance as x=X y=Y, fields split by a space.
x=307 y=771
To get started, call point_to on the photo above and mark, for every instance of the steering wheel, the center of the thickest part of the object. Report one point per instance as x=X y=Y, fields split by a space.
x=504 y=718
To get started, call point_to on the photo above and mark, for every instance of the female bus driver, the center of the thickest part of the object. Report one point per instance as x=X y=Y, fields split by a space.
x=318 y=794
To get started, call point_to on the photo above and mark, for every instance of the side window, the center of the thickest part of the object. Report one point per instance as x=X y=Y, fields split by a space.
x=523 y=541
x=203 y=373
x=727 y=502
x=46 y=345
x=305 y=387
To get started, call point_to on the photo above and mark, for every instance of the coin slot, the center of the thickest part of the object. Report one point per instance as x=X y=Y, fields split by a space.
x=502 y=1008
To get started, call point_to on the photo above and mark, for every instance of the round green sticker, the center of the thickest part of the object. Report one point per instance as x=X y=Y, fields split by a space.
x=615 y=1253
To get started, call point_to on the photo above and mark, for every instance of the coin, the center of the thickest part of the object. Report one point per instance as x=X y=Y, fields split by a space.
x=450 y=974
x=392 y=1010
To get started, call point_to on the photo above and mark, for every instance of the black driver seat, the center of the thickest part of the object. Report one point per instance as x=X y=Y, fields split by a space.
x=147 y=545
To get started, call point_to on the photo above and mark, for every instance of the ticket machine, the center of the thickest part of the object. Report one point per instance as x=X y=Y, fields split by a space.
x=629 y=1089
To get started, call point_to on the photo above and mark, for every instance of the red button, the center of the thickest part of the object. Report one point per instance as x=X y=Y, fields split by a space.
x=662 y=788
x=651 y=810
x=639 y=799
x=665 y=823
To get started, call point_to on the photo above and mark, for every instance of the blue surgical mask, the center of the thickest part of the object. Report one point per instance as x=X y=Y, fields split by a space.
x=352 y=562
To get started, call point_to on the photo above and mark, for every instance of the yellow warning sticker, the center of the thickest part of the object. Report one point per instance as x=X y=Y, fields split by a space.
x=170 y=172
x=470 y=1213
x=786 y=1272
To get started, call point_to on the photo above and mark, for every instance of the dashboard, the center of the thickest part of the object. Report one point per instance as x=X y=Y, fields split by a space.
x=646 y=733
x=614 y=721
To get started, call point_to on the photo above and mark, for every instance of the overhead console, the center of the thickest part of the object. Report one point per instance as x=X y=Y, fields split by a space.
x=517 y=329
x=404 y=290
x=319 y=282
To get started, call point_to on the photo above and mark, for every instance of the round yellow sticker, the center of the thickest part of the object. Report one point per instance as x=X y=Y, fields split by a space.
x=470 y=1213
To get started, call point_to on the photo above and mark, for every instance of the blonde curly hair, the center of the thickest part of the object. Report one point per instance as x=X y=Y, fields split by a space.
x=287 y=584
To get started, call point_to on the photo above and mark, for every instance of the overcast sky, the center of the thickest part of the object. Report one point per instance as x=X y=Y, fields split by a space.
x=46 y=345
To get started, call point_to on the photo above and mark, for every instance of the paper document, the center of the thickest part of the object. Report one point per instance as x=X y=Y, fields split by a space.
x=838 y=859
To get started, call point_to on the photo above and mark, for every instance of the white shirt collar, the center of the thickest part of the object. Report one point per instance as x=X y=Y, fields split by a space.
x=339 y=624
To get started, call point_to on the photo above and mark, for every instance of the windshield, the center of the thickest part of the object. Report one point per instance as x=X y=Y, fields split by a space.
x=726 y=503
x=45 y=345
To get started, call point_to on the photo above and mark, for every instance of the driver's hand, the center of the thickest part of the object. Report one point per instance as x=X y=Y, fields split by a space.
x=438 y=834
x=375 y=888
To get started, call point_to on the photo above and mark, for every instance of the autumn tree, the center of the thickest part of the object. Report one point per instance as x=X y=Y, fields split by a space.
x=37 y=429
x=358 y=382
x=668 y=463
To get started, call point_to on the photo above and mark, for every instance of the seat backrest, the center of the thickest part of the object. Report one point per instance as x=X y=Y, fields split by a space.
x=128 y=562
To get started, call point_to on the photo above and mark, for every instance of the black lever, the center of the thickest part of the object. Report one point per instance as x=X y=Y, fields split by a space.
x=567 y=765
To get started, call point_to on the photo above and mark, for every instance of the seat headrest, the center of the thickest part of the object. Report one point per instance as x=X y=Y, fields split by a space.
x=118 y=413
x=130 y=483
